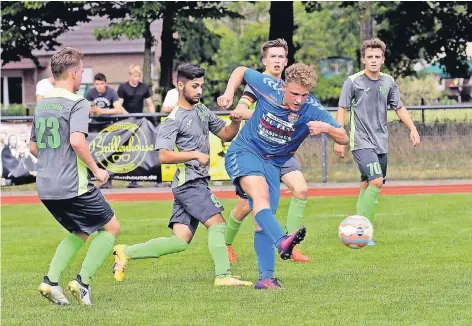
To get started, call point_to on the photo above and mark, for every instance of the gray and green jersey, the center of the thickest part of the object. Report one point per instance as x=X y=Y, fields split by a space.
x=61 y=173
x=187 y=131
x=369 y=101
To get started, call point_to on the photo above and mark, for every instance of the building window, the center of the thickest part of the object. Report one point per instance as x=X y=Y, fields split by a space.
x=12 y=90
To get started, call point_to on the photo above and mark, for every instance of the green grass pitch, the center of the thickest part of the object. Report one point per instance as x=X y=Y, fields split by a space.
x=419 y=273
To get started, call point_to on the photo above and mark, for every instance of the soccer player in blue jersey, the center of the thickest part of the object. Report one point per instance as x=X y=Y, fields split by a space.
x=274 y=57
x=284 y=116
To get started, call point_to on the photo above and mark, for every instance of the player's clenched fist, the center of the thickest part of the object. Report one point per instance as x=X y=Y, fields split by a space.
x=236 y=116
x=225 y=101
x=339 y=150
x=318 y=127
x=102 y=176
x=203 y=158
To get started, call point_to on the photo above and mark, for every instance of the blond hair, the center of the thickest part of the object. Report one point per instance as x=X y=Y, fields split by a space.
x=278 y=43
x=374 y=43
x=301 y=74
x=63 y=60
x=134 y=69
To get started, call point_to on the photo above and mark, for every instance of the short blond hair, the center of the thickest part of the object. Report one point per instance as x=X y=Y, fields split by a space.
x=134 y=69
x=301 y=74
x=374 y=43
x=278 y=43
x=63 y=60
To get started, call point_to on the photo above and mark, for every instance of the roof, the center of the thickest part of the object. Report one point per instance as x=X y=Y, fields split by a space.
x=82 y=38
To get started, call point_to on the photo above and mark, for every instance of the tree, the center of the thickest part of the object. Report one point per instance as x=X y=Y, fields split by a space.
x=282 y=25
x=29 y=26
x=133 y=19
x=366 y=23
x=434 y=31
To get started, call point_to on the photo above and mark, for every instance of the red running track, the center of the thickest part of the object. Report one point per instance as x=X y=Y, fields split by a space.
x=313 y=192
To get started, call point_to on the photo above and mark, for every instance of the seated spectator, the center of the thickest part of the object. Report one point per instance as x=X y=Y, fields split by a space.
x=43 y=87
x=172 y=97
x=105 y=100
x=133 y=93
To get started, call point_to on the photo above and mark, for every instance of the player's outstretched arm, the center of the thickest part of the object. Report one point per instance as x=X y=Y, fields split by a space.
x=340 y=118
x=226 y=100
x=404 y=116
x=339 y=135
x=171 y=157
x=229 y=132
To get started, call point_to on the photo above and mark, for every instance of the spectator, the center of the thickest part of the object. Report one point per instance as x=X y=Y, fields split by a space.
x=105 y=101
x=172 y=96
x=43 y=87
x=132 y=95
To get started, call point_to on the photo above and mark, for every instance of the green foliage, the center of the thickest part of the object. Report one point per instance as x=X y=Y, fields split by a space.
x=235 y=50
x=436 y=31
x=29 y=26
x=15 y=110
x=413 y=89
x=329 y=90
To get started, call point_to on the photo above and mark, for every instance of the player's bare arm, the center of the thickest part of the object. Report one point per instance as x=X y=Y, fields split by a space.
x=235 y=80
x=404 y=116
x=229 y=132
x=339 y=135
x=340 y=118
x=171 y=157
x=33 y=148
x=81 y=148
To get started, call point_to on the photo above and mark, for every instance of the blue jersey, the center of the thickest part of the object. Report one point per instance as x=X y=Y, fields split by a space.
x=274 y=130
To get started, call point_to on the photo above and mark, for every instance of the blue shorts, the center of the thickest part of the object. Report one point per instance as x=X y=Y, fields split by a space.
x=240 y=162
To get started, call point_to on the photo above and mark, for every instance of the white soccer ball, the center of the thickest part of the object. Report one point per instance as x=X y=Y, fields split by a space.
x=355 y=231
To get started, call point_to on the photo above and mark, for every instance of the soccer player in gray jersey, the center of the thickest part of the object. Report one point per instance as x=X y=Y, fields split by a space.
x=60 y=127
x=274 y=57
x=369 y=94
x=187 y=129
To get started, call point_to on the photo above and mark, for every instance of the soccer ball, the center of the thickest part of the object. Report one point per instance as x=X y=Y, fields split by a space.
x=355 y=231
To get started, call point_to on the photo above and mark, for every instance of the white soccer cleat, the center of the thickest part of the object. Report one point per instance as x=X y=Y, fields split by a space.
x=82 y=293
x=53 y=293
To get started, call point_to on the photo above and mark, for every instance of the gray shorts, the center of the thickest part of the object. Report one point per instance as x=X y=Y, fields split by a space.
x=371 y=165
x=290 y=166
x=194 y=203
x=86 y=213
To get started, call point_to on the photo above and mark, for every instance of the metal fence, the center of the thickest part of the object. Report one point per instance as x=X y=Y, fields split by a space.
x=445 y=151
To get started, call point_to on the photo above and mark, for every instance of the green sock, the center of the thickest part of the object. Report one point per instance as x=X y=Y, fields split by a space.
x=232 y=229
x=295 y=214
x=65 y=252
x=100 y=248
x=155 y=248
x=218 y=251
x=370 y=201
x=359 y=205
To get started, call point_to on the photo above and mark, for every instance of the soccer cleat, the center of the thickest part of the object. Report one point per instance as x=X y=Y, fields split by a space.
x=233 y=258
x=270 y=283
x=53 y=293
x=120 y=262
x=290 y=241
x=231 y=281
x=298 y=257
x=80 y=291
x=371 y=243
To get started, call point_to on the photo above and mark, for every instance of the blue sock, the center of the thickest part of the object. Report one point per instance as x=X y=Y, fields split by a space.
x=264 y=249
x=271 y=227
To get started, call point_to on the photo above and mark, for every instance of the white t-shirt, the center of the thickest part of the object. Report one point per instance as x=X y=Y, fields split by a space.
x=172 y=97
x=43 y=87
